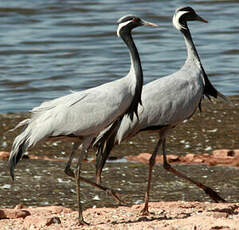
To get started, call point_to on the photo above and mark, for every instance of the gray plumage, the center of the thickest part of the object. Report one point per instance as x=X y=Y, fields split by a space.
x=167 y=101
x=81 y=116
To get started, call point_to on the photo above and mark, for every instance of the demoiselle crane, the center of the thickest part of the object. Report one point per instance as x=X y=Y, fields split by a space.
x=167 y=102
x=79 y=117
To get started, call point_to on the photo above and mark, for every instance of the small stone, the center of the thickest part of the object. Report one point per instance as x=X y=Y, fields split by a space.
x=4 y=155
x=220 y=215
x=236 y=152
x=222 y=153
x=19 y=206
x=13 y=213
x=54 y=220
x=40 y=222
x=189 y=157
x=235 y=161
x=172 y=158
x=220 y=228
x=142 y=157
x=198 y=160
x=212 y=162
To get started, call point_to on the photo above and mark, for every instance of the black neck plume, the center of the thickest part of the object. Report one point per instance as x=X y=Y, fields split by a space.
x=209 y=89
x=191 y=49
x=138 y=73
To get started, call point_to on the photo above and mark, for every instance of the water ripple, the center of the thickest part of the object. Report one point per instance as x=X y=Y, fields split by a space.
x=48 y=48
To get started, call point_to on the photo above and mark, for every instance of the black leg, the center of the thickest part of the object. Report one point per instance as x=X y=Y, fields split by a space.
x=213 y=195
x=145 y=210
x=80 y=216
x=68 y=169
x=71 y=173
x=77 y=178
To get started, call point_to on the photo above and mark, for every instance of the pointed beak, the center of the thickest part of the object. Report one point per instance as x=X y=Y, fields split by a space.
x=201 y=19
x=145 y=23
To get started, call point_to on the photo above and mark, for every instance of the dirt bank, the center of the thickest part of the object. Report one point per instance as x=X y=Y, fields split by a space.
x=163 y=215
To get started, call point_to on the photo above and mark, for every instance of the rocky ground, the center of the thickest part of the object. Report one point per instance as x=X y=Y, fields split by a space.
x=163 y=215
x=217 y=157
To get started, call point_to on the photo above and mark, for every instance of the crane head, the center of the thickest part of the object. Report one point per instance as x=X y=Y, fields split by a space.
x=129 y=22
x=184 y=14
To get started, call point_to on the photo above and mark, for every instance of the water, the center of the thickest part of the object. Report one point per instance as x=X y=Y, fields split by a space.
x=48 y=48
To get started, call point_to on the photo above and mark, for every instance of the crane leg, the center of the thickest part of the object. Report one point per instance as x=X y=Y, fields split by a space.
x=85 y=145
x=213 y=195
x=70 y=173
x=145 y=210
x=108 y=191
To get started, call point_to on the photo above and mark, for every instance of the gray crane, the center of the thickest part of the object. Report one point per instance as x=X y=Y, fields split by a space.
x=79 y=117
x=167 y=102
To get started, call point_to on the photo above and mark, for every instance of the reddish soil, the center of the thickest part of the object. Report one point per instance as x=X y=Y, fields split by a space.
x=218 y=157
x=163 y=215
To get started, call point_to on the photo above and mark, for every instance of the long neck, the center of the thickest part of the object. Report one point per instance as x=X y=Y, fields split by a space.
x=135 y=72
x=209 y=89
x=192 y=54
x=134 y=56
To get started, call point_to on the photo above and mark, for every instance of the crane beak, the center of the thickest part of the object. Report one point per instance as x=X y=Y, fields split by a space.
x=145 y=23
x=201 y=19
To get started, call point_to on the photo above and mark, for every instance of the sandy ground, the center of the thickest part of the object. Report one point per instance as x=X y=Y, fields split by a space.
x=163 y=215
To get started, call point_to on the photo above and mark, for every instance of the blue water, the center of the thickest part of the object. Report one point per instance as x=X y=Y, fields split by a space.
x=48 y=48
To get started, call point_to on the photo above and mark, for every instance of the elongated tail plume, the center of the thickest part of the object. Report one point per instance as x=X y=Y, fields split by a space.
x=18 y=149
x=209 y=89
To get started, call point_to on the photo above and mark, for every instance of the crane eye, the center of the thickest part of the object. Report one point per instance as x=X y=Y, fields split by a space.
x=135 y=20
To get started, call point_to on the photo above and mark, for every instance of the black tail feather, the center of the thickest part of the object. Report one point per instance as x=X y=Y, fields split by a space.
x=210 y=91
x=14 y=159
x=105 y=144
x=103 y=153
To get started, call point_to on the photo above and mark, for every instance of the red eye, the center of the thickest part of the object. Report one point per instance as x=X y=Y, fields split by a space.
x=134 y=20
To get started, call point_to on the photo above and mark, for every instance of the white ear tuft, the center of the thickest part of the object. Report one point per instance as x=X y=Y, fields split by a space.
x=176 y=19
x=121 y=25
